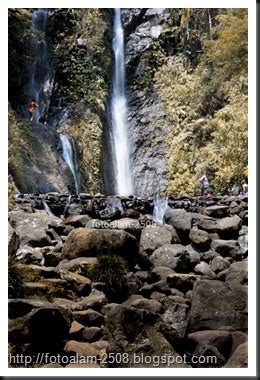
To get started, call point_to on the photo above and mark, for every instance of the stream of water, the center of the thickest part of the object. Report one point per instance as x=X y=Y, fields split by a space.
x=41 y=72
x=123 y=178
x=69 y=155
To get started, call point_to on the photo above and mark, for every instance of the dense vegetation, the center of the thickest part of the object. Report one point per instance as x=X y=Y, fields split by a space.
x=206 y=103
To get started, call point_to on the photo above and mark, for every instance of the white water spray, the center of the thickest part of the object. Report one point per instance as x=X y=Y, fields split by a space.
x=119 y=114
x=68 y=152
x=159 y=209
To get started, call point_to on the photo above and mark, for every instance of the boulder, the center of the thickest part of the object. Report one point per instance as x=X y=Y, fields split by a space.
x=243 y=244
x=29 y=255
x=193 y=254
x=45 y=328
x=219 y=264
x=13 y=240
x=239 y=358
x=216 y=304
x=208 y=256
x=182 y=282
x=200 y=238
x=175 y=320
x=32 y=289
x=219 y=339
x=110 y=213
x=77 y=220
x=88 y=317
x=174 y=256
x=153 y=237
x=181 y=221
x=78 y=264
x=136 y=333
x=237 y=338
x=81 y=285
x=208 y=356
x=159 y=286
x=216 y=211
x=227 y=228
x=237 y=273
x=204 y=268
x=81 y=349
x=150 y=305
x=130 y=213
x=91 y=334
x=76 y=331
x=95 y=301
x=90 y=242
x=32 y=228
x=228 y=248
x=160 y=273
x=132 y=226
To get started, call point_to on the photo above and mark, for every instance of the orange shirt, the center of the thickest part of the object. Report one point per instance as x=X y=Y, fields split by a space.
x=33 y=106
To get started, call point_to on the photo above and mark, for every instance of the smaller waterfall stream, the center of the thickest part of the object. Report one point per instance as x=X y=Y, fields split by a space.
x=47 y=209
x=160 y=208
x=68 y=152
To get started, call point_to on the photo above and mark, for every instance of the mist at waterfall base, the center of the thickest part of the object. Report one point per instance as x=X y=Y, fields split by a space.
x=68 y=152
x=118 y=111
x=41 y=72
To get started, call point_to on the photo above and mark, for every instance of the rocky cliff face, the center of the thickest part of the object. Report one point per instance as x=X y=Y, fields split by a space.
x=148 y=129
x=81 y=47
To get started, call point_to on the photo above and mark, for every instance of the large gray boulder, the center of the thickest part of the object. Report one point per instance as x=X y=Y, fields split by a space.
x=227 y=228
x=89 y=242
x=216 y=304
x=200 y=239
x=216 y=211
x=227 y=248
x=204 y=269
x=181 y=221
x=32 y=228
x=219 y=264
x=174 y=256
x=153 y=237
x=238 y=272
x=222 y=340
x=175 y=320
x=136 y=333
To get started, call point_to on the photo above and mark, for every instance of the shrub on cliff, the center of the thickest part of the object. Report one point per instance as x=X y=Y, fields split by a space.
x=111 y=270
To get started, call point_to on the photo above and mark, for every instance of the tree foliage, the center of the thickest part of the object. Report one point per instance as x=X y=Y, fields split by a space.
x=207 y=105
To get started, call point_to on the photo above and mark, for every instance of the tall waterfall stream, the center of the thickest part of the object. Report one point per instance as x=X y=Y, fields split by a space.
x=41 y=83
x=120 y=139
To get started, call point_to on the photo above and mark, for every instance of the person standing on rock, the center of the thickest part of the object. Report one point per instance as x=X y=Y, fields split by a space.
x=204 y=184
x=32 y=108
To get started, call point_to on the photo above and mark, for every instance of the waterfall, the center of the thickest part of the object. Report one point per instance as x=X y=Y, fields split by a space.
x=68 y=152
x=159 y=209
x=47 y=209
x=41 y=73
x=119 y=114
